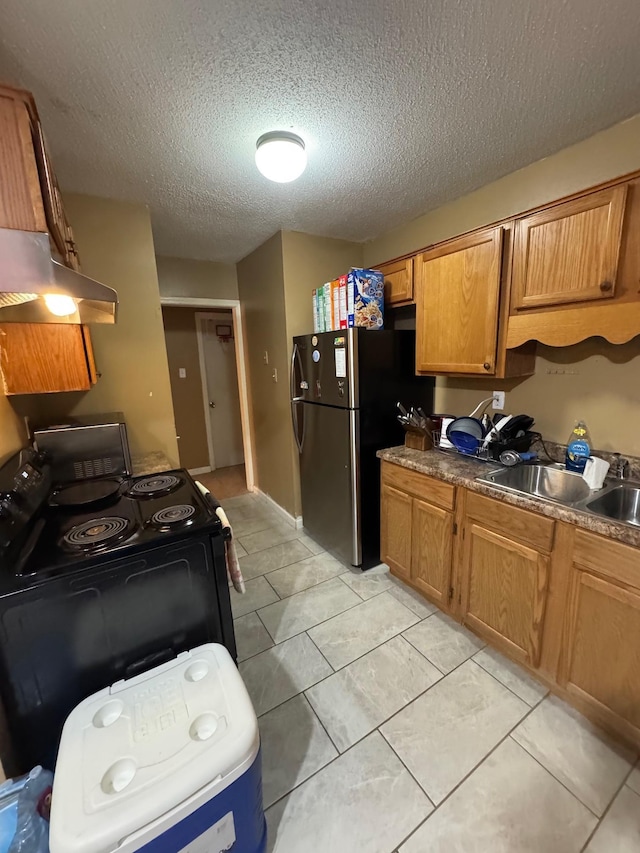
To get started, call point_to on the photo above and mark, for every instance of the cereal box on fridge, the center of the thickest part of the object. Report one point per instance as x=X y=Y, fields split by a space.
x=366 y=298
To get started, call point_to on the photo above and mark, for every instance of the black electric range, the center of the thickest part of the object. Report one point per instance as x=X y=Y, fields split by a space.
x=99 y=581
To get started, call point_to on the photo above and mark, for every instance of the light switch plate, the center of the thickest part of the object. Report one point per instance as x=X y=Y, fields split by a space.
x=182 y=372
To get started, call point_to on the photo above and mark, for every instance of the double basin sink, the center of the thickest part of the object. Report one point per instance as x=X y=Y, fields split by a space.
x=616 y=500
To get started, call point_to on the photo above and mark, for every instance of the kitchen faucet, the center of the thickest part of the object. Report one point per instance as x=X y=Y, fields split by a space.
x=620 y=467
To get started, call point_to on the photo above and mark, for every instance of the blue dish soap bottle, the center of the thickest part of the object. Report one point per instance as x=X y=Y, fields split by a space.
x=578 y=448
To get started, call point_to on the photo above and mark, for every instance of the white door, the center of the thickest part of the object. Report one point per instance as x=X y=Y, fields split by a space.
x=223 y=398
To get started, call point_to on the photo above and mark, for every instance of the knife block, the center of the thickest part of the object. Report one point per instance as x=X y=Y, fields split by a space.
x=417 y=440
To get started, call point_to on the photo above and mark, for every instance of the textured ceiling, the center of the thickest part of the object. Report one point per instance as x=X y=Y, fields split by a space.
x=404 y=105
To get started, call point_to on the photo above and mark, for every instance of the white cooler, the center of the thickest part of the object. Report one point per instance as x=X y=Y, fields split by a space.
x=167 y=762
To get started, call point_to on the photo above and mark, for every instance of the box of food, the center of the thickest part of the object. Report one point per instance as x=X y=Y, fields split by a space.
x=366 y=298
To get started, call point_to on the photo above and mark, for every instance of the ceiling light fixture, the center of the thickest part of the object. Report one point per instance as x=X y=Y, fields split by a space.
x=281 y=156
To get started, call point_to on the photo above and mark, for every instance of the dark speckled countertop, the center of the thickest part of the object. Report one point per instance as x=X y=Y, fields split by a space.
x=462 y=472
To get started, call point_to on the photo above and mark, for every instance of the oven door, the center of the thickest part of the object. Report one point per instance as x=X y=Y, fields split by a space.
x=72 y=636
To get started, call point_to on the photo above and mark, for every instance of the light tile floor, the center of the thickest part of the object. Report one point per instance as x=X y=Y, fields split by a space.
x=388 y=727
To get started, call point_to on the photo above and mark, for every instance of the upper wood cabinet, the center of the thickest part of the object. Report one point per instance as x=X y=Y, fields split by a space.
x=569 y=253
x=576 y=269
x=37 y=358
x=30 y=198
x=398 y=282
x=458 y=292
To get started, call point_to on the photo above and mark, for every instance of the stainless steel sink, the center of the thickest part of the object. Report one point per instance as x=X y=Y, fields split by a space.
x=553 y=483
x=621 y=503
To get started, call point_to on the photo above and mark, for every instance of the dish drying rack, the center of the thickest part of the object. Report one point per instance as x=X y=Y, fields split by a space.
x=490 y=453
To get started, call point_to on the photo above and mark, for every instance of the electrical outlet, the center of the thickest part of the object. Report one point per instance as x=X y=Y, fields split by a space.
x=498 y=400
x=265 y=357
x=274 y=374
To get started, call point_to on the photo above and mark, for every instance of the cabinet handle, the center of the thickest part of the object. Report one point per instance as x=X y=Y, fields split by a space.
x=486 y=365
x=606 y=286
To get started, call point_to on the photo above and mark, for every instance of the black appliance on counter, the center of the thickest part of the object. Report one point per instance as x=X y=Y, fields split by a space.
x=99 y=581
x=85 y=446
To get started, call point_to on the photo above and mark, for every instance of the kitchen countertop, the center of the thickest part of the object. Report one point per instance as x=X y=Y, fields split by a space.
x=460 y=471
x=150 y=463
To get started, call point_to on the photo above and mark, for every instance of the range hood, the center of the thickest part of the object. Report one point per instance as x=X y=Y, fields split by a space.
x=34 y=288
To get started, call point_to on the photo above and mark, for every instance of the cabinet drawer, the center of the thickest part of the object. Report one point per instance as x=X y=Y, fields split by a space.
x=428 y=488
x=607 y=557
x=517 y=523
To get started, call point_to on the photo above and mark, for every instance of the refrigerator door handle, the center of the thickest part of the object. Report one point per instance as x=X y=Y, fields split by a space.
x=296 y=426
x=295 y=400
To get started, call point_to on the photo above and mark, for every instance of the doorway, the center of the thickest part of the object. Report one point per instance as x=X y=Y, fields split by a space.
x=205 y=350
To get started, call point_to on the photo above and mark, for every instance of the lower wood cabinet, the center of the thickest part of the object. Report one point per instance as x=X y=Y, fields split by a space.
x=42 y=358
x=416 y=534
x=600 y=661
x=560 y=600
x=395 y=530
x=504 y=592
x=431 y=551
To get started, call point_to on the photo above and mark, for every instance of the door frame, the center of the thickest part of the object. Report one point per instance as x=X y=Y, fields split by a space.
x=239 y=336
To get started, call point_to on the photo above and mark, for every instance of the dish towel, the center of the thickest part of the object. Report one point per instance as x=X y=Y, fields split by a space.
x=233 y=566
x=231 y=557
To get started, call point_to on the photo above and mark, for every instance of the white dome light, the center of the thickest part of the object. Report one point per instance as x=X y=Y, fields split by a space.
x=280 y=156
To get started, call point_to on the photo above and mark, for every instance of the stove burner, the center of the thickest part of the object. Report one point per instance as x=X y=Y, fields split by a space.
x=150 y=487
x=173 y=515
x=96 y=532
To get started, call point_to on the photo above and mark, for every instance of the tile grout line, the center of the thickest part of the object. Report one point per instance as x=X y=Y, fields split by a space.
x=506 y=686
x=324 y=657
x=559 y=781
x=606 y=811
x=324 y=621
x=284 y=566
x=306 y=630
x=470 y=773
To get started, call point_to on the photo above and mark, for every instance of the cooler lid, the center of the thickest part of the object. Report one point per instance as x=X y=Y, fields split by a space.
x=138 y=749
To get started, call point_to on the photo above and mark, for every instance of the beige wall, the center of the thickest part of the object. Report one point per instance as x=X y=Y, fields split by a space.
x=115 y=244
x=182 y=351
x=594 y=380
x=261 y=290
x=200 y=279
x=308 y=262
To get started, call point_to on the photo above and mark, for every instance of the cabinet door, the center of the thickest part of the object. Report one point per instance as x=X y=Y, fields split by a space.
x=569 y=253
x=432 y=544
x=457 y=296
x=398 y=282
x=39 y=358
x=20 y=198
x=395 y=530
x=601 y=658
x=504 y=592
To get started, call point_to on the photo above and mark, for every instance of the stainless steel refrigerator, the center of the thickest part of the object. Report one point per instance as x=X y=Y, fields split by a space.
x=344 y=389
